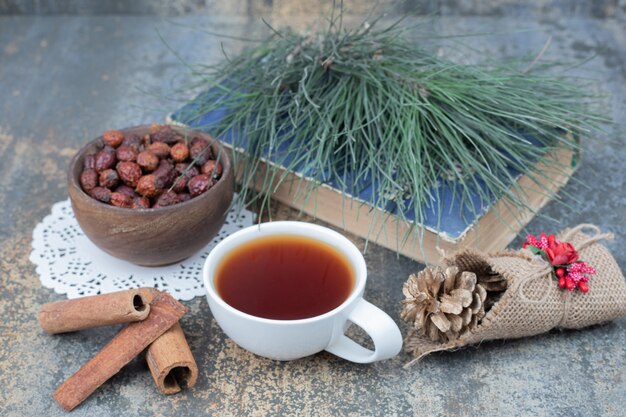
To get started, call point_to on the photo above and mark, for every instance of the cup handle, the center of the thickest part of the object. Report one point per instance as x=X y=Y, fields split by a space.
x=379 y=326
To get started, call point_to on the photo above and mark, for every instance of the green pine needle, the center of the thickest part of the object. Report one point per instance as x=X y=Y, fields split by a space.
x=370 y=102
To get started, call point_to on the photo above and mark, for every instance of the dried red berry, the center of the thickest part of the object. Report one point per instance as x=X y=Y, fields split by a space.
x=560 y=272
x=90 y=161
x=146 y=141
x=121 y=200
x=200 y=151
x=129 y=173
x=147 y=186
x=161 y=153
x=562 y=282
x=168 y=198
x=184 y=168
x=199 y=184
x=185 y=172
x=126 y=153
x=182 y=197
x=126 y=190
x=212 y=168
x=180 y=183
x=113 y=138
x=89 y=179
x=198 y=140
x=160 y=149
x=101 y=194
x=165 y=134
x=179 y=152
x=583 y=286
x=109 y=178
x=141 y=202
x=105 y=159
x=132 y=141
x=164 y=174
x=148 y=160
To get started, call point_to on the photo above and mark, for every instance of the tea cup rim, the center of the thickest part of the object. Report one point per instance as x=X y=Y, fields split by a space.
x=288 y=227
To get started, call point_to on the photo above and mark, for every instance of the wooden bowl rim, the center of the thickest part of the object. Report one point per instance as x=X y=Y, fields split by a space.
x=73 y=180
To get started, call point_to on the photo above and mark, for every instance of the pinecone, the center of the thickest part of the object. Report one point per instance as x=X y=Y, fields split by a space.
x=443 y=304
x=494 y=283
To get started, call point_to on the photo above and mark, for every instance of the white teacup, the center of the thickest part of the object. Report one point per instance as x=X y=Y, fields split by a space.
x=292 y=339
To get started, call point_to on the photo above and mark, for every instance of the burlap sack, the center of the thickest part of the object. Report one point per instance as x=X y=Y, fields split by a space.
x=533 y=303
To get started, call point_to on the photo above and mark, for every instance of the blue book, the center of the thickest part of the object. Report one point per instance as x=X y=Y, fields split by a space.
x=448 y=225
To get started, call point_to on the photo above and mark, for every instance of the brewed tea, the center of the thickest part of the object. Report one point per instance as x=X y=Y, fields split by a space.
x=284 y=277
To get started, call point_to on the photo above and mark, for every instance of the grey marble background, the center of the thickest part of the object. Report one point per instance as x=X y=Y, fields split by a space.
x=578 y=8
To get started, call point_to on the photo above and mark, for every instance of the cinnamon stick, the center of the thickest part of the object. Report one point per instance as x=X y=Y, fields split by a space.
x=171 y=362
x=128 y=343
x=149 y=293
x=94 y=311
x=169 y=358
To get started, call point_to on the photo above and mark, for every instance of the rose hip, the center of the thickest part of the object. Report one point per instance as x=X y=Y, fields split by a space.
x=126 y=190
x=179 y=152
x=146 y=141
x=109 y=178
x=126 y=153
x=164 y=174
x=129 y=173
x=199 y=184
x=180 y=183
x=101 y=194
x=186 y=169
x=165 y=134
x=212 y=168
x=105 y=159
x=148 y=160
x=89 y=179
x=157 y=169
x=147 y=186
x=182 y=197
x=132 y=141
x=200 y=151
x=160 y=149
x=197 y=140
x=113 y=138
x=168 y=198
x=141 y=202
x=90 y=161
x=121 y=200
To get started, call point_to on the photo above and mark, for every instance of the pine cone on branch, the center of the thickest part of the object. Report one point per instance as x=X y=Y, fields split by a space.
x=443 y=304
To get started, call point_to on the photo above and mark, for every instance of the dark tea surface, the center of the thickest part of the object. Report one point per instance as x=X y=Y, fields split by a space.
x=284 y=277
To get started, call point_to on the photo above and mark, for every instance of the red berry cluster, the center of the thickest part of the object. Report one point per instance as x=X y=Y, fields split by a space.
x=570 y=272
x=159 y=169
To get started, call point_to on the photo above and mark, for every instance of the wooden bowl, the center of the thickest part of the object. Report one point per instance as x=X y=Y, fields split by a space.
x=152 y=237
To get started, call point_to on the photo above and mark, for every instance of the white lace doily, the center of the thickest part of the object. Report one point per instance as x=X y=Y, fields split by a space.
x=70 y=264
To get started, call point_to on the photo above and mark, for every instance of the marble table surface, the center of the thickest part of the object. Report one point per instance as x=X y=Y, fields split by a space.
x=64 y=80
